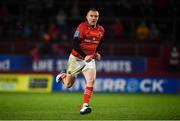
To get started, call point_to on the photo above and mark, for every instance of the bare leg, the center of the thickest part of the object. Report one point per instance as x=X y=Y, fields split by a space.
x=69 y=80
x=90 y=76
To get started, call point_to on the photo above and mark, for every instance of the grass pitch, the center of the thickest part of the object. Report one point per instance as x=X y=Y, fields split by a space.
x=105 y=106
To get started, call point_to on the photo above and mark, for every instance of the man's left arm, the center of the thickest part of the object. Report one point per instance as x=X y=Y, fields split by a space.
x=97 y=55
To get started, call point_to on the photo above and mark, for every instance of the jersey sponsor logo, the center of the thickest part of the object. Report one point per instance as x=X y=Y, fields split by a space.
x=91 y=41
x=95 y=34
x=76 y=34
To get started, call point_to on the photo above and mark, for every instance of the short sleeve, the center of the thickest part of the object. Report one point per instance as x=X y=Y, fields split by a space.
x=79 y=32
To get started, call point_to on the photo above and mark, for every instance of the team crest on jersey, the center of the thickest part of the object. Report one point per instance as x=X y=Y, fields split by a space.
x=99 y=34
x=76 y=34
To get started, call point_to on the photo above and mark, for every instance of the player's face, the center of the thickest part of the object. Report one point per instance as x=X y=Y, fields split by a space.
x=92 y=17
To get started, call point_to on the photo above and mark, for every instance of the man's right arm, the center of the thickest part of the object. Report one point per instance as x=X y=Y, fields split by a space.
x=76 y=47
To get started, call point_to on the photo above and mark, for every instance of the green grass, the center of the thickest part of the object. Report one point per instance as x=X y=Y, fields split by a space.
x=116 y=106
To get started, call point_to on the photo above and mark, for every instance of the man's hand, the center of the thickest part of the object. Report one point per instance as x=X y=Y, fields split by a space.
x=88 y=58
x=97 y=56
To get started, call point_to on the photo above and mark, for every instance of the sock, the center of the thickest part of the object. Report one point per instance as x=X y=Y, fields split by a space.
x=88 y=91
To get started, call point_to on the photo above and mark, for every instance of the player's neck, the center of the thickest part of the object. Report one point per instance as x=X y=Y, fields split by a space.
x=92 y=26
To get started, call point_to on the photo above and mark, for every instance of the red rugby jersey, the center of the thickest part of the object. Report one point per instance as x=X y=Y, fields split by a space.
x=89 y=38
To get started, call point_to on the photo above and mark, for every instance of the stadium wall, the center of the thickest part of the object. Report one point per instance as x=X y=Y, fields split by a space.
x=14 y=82
x=127 y=85
x=54 y=63
x=117 y=74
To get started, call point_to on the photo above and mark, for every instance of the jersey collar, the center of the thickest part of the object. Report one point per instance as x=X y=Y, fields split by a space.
x=92 y=26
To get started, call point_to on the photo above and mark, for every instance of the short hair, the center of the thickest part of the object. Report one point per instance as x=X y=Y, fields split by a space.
x=92 y=9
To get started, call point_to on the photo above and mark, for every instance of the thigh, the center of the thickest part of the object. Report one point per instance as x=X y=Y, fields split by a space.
x=90 y=75
x=89 y=65
x=89 y=71
x=75 y=65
